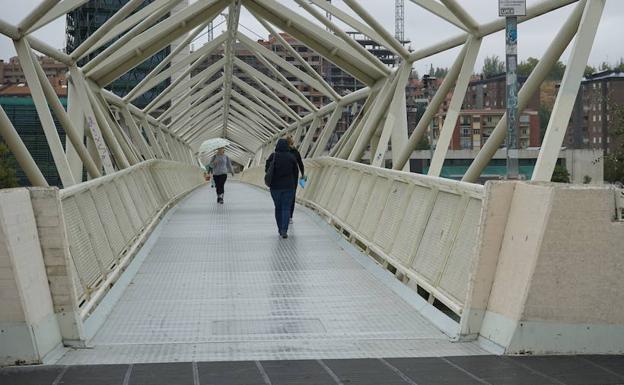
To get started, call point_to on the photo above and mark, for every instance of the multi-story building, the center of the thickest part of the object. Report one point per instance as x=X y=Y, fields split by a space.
x=490 y=93
x=474 y=127
x=86 y=19
x=11 y=72
x=484 y=106
x=593 y=111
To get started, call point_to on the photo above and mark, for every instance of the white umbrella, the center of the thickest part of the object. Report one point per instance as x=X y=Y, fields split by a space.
x=207 y=149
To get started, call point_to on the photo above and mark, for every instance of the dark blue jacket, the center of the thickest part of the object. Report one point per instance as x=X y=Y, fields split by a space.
x=286 y=171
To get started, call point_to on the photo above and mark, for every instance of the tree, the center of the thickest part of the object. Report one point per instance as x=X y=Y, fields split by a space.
x=589 y=70
x=605 y=66
x=544 y=115
x=560 y=175
x=440 y=72
x=526 y=67
x=8 y=177
x=492 y=66
x=557 y=72
x=423 y=144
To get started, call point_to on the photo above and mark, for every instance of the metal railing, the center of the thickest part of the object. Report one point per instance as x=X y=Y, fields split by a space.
x=106 y=220
x=423 y=228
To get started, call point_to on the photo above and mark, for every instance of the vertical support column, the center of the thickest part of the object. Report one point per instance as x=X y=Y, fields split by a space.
x=446 y=134
x=555 y=133
x=511 y=44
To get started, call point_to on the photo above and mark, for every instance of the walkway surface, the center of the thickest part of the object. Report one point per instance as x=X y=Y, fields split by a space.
x=221 y=300
x=220 y=285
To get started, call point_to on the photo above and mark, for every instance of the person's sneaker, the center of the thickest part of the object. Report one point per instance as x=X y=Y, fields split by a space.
x=284 y=236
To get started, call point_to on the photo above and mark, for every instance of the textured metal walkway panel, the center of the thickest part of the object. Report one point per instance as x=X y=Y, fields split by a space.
x=219 y=284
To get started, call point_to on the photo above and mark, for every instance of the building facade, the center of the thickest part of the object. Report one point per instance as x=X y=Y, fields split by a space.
x=11 y=72
x=83 y=21
x=592 y=116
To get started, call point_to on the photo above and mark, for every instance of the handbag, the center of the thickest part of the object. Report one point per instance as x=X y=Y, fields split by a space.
x=268 y=176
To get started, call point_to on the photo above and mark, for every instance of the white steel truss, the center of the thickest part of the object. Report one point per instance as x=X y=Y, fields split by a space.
x=253 y=108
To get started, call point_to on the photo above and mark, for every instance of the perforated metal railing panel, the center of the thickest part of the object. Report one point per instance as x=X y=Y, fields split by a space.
x=219 y=284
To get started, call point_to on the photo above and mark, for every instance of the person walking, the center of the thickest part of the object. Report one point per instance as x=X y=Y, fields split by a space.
x=283 y=169
x=295 y=152
x=220 y=165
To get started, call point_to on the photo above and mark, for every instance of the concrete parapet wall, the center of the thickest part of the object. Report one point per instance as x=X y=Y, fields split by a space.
x=28 y=328
x=558 y=285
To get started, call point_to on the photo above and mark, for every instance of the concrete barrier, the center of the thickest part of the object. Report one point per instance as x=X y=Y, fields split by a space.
x=558 y=285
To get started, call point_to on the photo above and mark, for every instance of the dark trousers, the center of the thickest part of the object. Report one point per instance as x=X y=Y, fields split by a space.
x=283 y=201
x=292 y=205
x=220 y=183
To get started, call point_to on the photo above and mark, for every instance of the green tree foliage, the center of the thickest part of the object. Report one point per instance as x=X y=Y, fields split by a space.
x=492 y=66
x=589 y=70
x=423 y=144
x=614 y=160
x=437 y=72
x=8 y=177
x=560 y=175
x=544 y=115
x=526 y=67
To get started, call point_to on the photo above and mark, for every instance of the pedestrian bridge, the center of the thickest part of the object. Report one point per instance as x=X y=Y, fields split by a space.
x=131 y=261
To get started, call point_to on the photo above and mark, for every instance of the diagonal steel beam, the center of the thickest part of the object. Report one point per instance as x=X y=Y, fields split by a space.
x=232 y=26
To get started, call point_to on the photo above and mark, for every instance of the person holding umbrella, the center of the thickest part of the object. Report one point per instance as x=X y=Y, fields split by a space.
x=220 y=165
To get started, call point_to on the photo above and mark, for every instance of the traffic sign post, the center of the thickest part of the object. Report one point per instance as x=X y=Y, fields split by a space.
x=511 y=9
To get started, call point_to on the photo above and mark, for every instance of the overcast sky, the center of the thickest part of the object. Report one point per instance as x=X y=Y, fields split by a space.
x=421 y=27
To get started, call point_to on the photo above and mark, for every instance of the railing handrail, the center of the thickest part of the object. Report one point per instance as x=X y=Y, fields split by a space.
x=77 y=188
x=448 y=185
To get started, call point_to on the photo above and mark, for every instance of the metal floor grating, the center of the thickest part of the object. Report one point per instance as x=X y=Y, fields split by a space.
x=220 y=285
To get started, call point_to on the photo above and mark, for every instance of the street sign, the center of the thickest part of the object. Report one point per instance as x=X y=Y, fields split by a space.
x=511 y=7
